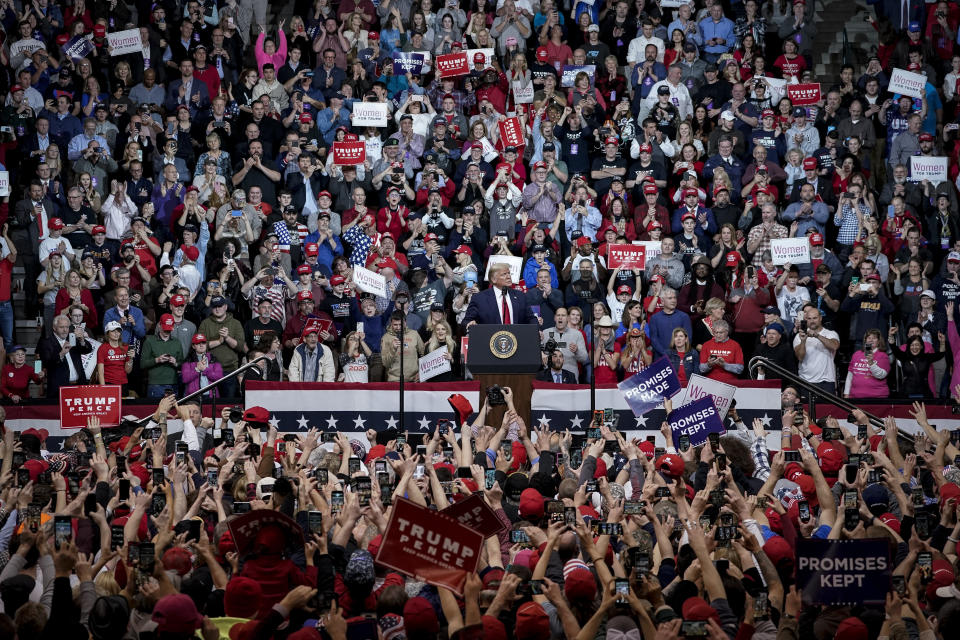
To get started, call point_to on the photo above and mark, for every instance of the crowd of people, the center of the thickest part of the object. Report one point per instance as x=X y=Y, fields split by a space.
x=227 y=530
x=176 y=211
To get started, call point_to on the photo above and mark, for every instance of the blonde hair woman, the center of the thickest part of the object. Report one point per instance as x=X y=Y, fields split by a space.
x=123 y=75
x=54 y=161
x=355 y=34
x=442 y=336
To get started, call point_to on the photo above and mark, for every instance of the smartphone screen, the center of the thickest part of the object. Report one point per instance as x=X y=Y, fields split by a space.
x=62 y=530
x=315 y=521
x=147 y=557
x=116 y=536
x=124 y=490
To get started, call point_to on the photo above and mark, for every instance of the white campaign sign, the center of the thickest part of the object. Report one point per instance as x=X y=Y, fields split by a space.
x=907 y=83
x=523 y=95
x=369 y=114
x=651 y=249
x=370 y=281
x=124 y=42
x=4 y=183
x=699 y=386
x=487 y=56
x=433 y=364
x=932 y=168
x=514 y=262
x=792 y=250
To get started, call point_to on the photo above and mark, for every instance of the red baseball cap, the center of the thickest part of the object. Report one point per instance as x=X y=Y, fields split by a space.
x=198 y=338
x=304 y=295
x=649 y=189
x=816 y=239
x=55 y=223
x=734 y=258
x=430 y=237
x=809 y=164
x=178 y=301
x=191 y=253
x=540 y=164
x=542 y=54
x=303 y=269
x=335 y=280
x=623 y=289
x=479 y=58
x=99 y=31
x=311 y=249
x=464 y=249
x=167 y=323
x=690 y=192
x=99 y=229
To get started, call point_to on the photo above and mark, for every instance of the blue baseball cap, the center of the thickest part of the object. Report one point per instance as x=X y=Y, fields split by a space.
x=914 y=27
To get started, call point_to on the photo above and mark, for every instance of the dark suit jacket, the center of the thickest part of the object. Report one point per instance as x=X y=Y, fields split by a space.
x=483 y=309
x=24 y=231
x=298 y=191
x=545 y=375
x=58 y=371
x=824 y=190
x=197 y=87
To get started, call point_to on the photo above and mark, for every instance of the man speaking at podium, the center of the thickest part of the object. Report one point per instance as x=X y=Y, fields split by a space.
x=499 y=304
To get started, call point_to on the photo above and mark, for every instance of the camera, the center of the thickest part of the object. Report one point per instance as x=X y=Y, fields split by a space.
x=495 y=396
x=552 y=345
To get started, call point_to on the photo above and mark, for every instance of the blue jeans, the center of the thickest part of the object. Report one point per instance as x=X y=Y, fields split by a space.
x=6 y=324
x=157 y=390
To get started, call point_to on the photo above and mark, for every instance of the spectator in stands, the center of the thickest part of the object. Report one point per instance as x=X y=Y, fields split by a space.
x=161 y=358
x=312 y=361
x=815 y=347
x=224 y=340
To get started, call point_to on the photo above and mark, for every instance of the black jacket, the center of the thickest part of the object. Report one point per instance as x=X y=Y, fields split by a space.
x=58 y=370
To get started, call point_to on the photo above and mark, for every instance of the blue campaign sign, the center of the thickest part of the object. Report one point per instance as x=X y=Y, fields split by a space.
x=78 y=48
x=647 y=389
x=404 y=62
x=697 y=419
x=843 y=572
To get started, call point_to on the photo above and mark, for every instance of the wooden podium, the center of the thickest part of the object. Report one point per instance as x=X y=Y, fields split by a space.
x=508 y=356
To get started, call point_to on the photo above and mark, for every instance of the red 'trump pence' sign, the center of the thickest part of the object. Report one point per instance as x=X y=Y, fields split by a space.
x=802 y=95
x=349 y=152
x=626 y=256
x=424 y=543
x=511 y=132
x=452 y=64
x=77 y=404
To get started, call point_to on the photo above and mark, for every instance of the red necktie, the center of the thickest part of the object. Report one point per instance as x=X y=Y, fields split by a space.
x=506 y=308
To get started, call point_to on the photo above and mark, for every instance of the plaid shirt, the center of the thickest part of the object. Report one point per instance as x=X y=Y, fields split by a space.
x=778 y=232
x=846 y=220
x=464 y=101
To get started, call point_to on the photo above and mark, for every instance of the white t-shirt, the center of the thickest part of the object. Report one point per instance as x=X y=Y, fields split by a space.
x=791 y=302
x=356 y=369
x=817 y=364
